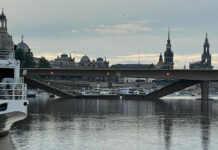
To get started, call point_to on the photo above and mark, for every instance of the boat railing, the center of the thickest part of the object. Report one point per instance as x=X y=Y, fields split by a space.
x=13 y=91
x=6 y=54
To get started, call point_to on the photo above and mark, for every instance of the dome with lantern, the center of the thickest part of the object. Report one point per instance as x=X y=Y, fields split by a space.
x=23 y=46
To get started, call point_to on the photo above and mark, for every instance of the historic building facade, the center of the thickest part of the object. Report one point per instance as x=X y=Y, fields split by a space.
x=99 y=63
x=6 y=42
x=64 y=61
x=205 y=62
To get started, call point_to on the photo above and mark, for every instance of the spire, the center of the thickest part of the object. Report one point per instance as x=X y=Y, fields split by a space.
x=22 y=38
x=160 y=58
x=206 y=43
x=168 y=35
x=168 y=46
x=3 y=15
x=206 y=39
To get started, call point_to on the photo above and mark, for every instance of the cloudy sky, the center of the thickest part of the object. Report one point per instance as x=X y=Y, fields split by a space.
x=116 y=29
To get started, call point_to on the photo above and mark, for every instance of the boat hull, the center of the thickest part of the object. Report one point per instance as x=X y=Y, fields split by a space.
x=16 y=110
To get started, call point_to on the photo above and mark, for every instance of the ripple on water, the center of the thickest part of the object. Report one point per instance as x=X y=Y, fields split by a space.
x=111 y=124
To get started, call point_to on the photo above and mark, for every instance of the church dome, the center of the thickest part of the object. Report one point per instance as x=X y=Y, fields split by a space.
x=23 y=46
x=64 y=56
x=84 y=59
x=100 y=59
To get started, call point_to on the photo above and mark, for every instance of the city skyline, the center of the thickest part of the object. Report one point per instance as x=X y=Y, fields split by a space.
x=95 y=30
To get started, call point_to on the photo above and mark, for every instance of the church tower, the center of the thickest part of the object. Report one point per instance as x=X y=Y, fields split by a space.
x=160 y=63
x=160 y=58
x=6 y=42
x=168 y=54
x=206 y=56
x=3 y=24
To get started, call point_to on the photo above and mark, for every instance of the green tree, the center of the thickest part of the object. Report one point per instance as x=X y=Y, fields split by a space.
x=26 y=59
x=44 y=63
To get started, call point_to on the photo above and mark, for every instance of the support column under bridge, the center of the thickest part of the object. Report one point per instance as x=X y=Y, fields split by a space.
x=174 y=87
x=204 y=90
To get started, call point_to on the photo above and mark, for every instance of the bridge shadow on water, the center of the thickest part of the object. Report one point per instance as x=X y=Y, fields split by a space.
x=205 y=110
x=170 y=114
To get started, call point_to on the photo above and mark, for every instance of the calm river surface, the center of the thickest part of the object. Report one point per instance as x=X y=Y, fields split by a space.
x=116 y=125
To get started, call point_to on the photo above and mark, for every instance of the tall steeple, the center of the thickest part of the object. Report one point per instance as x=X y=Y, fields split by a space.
x=206 y=56
x=6 y=42
x=3 y=21
x=168 y=46
x=205 y=62
x=206 y=39
x=168 y=54
x=206 y=44
x=168 y=35
x=206 y=51
x=22 y=38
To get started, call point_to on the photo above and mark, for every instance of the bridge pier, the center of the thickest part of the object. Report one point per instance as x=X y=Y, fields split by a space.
x=205 y=90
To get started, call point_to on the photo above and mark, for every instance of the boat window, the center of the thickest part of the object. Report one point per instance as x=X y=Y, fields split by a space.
x=6 y=73
x=3 y=107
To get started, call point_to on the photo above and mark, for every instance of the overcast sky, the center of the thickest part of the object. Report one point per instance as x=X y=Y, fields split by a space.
x=116 y=29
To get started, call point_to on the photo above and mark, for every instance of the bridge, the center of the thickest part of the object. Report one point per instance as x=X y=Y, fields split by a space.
x=201 y=75
x=185 y=78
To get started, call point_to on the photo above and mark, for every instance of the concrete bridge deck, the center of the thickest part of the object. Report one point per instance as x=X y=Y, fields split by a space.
x=186 y=77
x=200 y=75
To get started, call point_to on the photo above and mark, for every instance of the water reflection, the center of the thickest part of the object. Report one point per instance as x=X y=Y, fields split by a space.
x=168 y=124
x=116 y=124
x=5 y=143
x=206 y=110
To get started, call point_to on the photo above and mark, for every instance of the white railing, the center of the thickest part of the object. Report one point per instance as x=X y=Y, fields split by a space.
x=13 y=91
x=4 y=55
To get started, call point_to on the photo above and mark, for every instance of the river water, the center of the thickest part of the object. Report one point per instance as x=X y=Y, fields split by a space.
x=76 y=124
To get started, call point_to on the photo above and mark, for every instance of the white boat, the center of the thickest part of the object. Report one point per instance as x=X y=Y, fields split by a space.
x=31 y=93
x=13 y=92
x=126 y=91
x=104 y=92
x=42 y=94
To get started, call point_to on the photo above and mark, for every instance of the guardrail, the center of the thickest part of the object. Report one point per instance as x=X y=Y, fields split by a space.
x=4 y=55
x=13 y=91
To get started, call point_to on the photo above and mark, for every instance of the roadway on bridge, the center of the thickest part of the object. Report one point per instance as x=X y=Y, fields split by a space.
x=201 y=75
